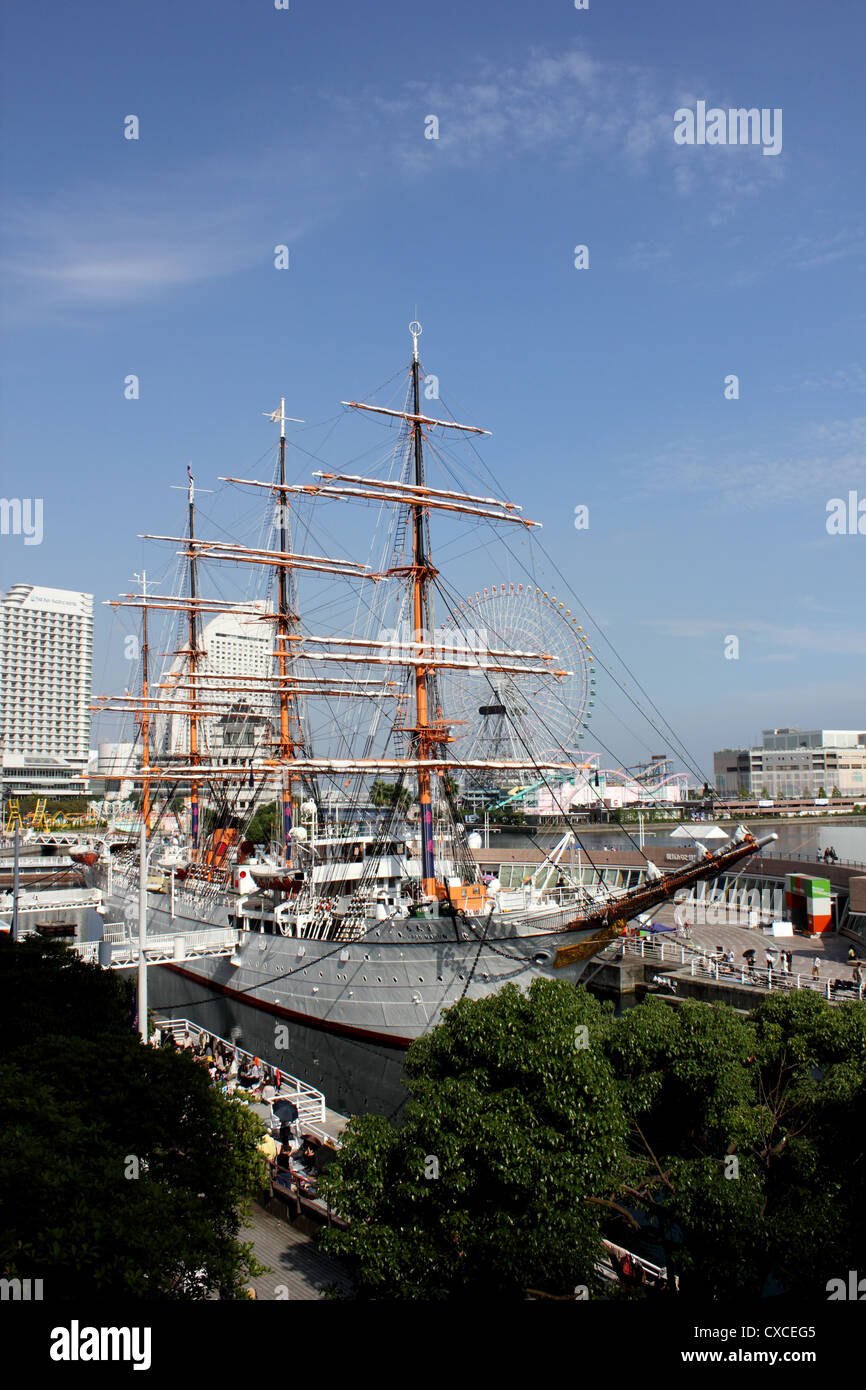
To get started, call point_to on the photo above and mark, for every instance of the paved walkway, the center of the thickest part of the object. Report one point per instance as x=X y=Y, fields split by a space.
x=831 y=949
x=298 y=1269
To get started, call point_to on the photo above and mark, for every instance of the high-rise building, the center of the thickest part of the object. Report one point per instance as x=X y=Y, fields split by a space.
x=234 y=646
x=795 y=763
x=46 y=662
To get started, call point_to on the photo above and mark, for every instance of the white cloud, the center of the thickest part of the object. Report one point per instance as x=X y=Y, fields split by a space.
x=98 y=245
x=798 y=638
x=826 y=459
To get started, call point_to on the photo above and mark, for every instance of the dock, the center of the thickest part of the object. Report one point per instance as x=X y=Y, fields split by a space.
x=284 y=1230
x=675 y=968
x=298 y=1269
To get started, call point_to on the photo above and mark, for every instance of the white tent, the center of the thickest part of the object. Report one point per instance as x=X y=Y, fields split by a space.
x=699 y=832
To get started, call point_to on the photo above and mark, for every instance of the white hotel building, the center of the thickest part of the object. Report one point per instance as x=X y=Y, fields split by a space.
x=46 y=663
x=234 y=646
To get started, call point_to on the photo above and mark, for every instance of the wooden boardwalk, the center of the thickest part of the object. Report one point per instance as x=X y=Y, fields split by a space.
x=298 y=1269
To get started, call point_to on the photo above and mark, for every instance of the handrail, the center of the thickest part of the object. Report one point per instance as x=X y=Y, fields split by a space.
x=700 y=963
x=309 y=1099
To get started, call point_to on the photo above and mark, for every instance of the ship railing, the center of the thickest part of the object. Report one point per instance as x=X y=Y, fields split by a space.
x=309 y=1099
x=116 y=932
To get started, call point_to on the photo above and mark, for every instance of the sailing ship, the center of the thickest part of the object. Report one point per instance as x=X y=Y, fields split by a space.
x=370 y=920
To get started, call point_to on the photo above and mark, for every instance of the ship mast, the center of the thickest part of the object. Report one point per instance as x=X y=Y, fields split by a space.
x=285 y=620
x=145 y=714
x=422 y=573
x=193 y=654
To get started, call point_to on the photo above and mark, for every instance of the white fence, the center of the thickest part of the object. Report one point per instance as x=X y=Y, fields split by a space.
x=309 y=1100
x=709 y=966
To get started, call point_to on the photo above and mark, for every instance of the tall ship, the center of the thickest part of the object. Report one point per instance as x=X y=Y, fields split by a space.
x=382 y=704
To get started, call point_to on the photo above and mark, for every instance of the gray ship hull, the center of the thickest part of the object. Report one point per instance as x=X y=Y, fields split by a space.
x=392 y=986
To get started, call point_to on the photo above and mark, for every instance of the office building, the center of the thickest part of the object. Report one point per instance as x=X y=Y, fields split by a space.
x=795 y=763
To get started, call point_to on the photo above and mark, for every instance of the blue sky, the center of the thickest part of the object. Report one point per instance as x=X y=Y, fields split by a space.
x=602 y=387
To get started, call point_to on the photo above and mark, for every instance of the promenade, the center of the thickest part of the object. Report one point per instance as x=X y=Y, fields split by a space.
x=831 y=949
x=297 y=1268
x=692 y=958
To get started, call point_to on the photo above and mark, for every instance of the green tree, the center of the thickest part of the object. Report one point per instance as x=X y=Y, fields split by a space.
x=821 y=791
x=746 y=1145
x=263 y=826
x=736 y=1142
x=123 y=1171
x=388 y=794
x=508 y=1152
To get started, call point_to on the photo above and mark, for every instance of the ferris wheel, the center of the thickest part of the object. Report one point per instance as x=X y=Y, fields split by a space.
x=529 y=716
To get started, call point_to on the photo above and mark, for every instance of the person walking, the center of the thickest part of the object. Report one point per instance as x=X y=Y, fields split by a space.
x=816 y=968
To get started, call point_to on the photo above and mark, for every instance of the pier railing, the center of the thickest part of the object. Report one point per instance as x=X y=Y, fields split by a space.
x=309 y=1100
x=702 y=964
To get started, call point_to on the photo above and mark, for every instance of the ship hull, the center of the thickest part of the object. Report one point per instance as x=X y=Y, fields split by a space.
x=393 y=986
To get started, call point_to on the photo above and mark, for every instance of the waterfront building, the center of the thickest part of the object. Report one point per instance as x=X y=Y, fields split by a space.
x=795 y=763
x=46 y=661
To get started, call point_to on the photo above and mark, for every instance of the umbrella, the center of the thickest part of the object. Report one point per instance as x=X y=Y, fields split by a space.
x=286 y=1110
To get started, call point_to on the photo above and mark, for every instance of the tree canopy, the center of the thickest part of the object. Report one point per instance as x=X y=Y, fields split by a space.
x=123 y=1171
x=540 y=1123
x=390 y=794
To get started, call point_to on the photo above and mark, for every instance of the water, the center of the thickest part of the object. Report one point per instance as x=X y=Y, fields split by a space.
x=798 y=837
